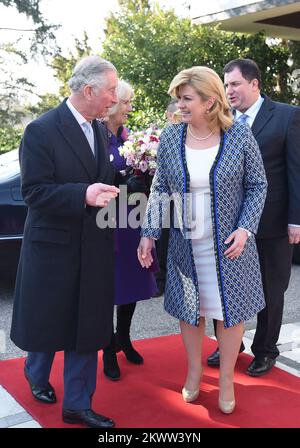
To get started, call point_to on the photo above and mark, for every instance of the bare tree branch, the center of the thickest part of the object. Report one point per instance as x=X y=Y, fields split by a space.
x=16 y=29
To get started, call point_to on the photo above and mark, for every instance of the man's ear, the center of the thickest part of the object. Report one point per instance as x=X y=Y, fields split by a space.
x=87 y=91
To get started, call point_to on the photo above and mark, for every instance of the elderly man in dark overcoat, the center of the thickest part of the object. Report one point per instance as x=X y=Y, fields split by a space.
x=64 y=288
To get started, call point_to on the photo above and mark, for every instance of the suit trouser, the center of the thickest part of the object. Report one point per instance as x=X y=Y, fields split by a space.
x=275 y=256
x=80 y=372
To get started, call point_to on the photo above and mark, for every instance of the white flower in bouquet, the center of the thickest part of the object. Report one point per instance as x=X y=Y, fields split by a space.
x=140 y=150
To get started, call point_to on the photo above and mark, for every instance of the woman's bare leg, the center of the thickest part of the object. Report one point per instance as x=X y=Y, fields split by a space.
x=192 y=337
x=229 y=340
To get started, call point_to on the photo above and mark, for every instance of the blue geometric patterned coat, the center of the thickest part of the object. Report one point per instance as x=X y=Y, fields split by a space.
x=238 y=189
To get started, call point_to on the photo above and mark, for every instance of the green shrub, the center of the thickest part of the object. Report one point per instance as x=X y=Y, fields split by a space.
x=142 y=119
x=10 y=138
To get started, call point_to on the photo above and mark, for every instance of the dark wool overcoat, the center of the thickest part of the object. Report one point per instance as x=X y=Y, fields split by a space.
x=64 y=288
x=238 y=189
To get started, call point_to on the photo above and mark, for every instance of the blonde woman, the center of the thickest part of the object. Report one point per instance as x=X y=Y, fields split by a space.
x=215 y=168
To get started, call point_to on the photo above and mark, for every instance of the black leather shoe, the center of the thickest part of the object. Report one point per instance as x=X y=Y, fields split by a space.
x=111 y=367
x=131 y=354
x=260 y=366
x=87 y=417
x=45 y=394
x=214 y=359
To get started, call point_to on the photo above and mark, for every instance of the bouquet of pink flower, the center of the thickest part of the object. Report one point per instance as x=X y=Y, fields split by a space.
x=139 y=150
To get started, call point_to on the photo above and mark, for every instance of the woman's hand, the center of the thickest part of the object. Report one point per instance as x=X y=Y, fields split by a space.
x=136 y=184
x=239 y=238
x=144 y=251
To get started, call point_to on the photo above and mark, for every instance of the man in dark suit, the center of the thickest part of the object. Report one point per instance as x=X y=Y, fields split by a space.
x=64 y=287
x=276 y=127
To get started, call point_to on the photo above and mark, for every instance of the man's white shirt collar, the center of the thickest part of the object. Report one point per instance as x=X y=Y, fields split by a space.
x=75 y=112
x=251 y=112
x=83 y=122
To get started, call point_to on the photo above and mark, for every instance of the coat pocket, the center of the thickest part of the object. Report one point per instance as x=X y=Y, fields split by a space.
x=48 y=235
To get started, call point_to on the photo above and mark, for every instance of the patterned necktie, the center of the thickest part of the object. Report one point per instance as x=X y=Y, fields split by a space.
x=242 y=118
x=89 y=133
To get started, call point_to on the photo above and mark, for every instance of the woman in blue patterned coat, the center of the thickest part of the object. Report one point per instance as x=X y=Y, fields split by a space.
x=212 y=168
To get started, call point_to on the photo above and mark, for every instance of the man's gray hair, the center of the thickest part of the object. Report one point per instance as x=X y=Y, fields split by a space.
x=90 y=70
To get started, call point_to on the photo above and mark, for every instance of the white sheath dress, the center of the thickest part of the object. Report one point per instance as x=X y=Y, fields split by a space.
x=199 y=162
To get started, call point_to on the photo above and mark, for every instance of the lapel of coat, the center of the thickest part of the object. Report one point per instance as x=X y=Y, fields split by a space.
x=183 y=162
x=184 y=187
x=264 y=115
x=72 y=132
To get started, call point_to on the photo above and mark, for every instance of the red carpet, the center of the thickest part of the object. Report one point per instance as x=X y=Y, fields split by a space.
x=149 y=396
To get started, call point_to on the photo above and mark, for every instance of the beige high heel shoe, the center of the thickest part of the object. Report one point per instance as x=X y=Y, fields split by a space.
x=191 y=395
x=226 y=406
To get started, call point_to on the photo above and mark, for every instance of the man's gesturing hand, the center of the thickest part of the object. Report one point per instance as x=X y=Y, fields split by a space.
x=99 y=195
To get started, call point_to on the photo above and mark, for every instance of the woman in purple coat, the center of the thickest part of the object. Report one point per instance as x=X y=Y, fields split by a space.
x=132 y=282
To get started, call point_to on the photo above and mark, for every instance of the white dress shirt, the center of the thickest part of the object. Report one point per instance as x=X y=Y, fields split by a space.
x=251 y=112
x=85 y=125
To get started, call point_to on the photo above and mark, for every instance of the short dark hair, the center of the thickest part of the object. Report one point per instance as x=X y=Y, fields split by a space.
x=248 y=68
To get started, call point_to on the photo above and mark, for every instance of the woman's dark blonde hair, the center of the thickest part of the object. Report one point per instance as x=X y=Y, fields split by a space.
x=207 y=84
